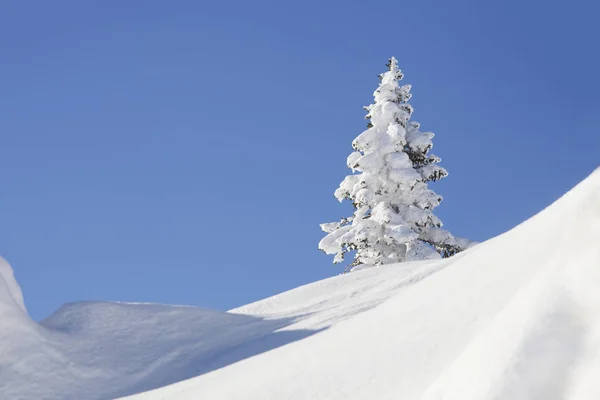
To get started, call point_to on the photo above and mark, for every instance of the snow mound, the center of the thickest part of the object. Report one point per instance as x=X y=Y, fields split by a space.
x=516 y=317
x=127 y=348
x=18 y=334
x=10 y=292
x=101 y=350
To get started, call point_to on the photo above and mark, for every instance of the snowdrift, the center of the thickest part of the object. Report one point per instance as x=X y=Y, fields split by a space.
x=101 y=350
x=98 y=350
x=10 y=292
x=516 y=317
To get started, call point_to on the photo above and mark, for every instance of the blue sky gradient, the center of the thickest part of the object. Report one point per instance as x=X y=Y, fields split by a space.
x=185 y=152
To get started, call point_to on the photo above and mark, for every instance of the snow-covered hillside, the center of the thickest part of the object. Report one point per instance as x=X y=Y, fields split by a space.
x=100 y=350
x=516 y=317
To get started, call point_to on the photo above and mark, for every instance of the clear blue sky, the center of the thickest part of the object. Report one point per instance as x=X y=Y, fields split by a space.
x=185 y=151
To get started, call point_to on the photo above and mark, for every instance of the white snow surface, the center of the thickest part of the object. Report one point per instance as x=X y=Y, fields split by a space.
x=516 y=317
x=10 y=292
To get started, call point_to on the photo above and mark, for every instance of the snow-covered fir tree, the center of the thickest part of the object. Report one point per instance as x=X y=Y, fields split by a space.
x=393 y=217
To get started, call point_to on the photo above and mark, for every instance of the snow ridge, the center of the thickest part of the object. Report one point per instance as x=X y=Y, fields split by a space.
x=9 y=288
x=490 y=324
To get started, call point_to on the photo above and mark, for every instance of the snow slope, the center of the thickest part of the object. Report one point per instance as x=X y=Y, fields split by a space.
x=97 y=350
x=516 y=317
x=101 y=350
